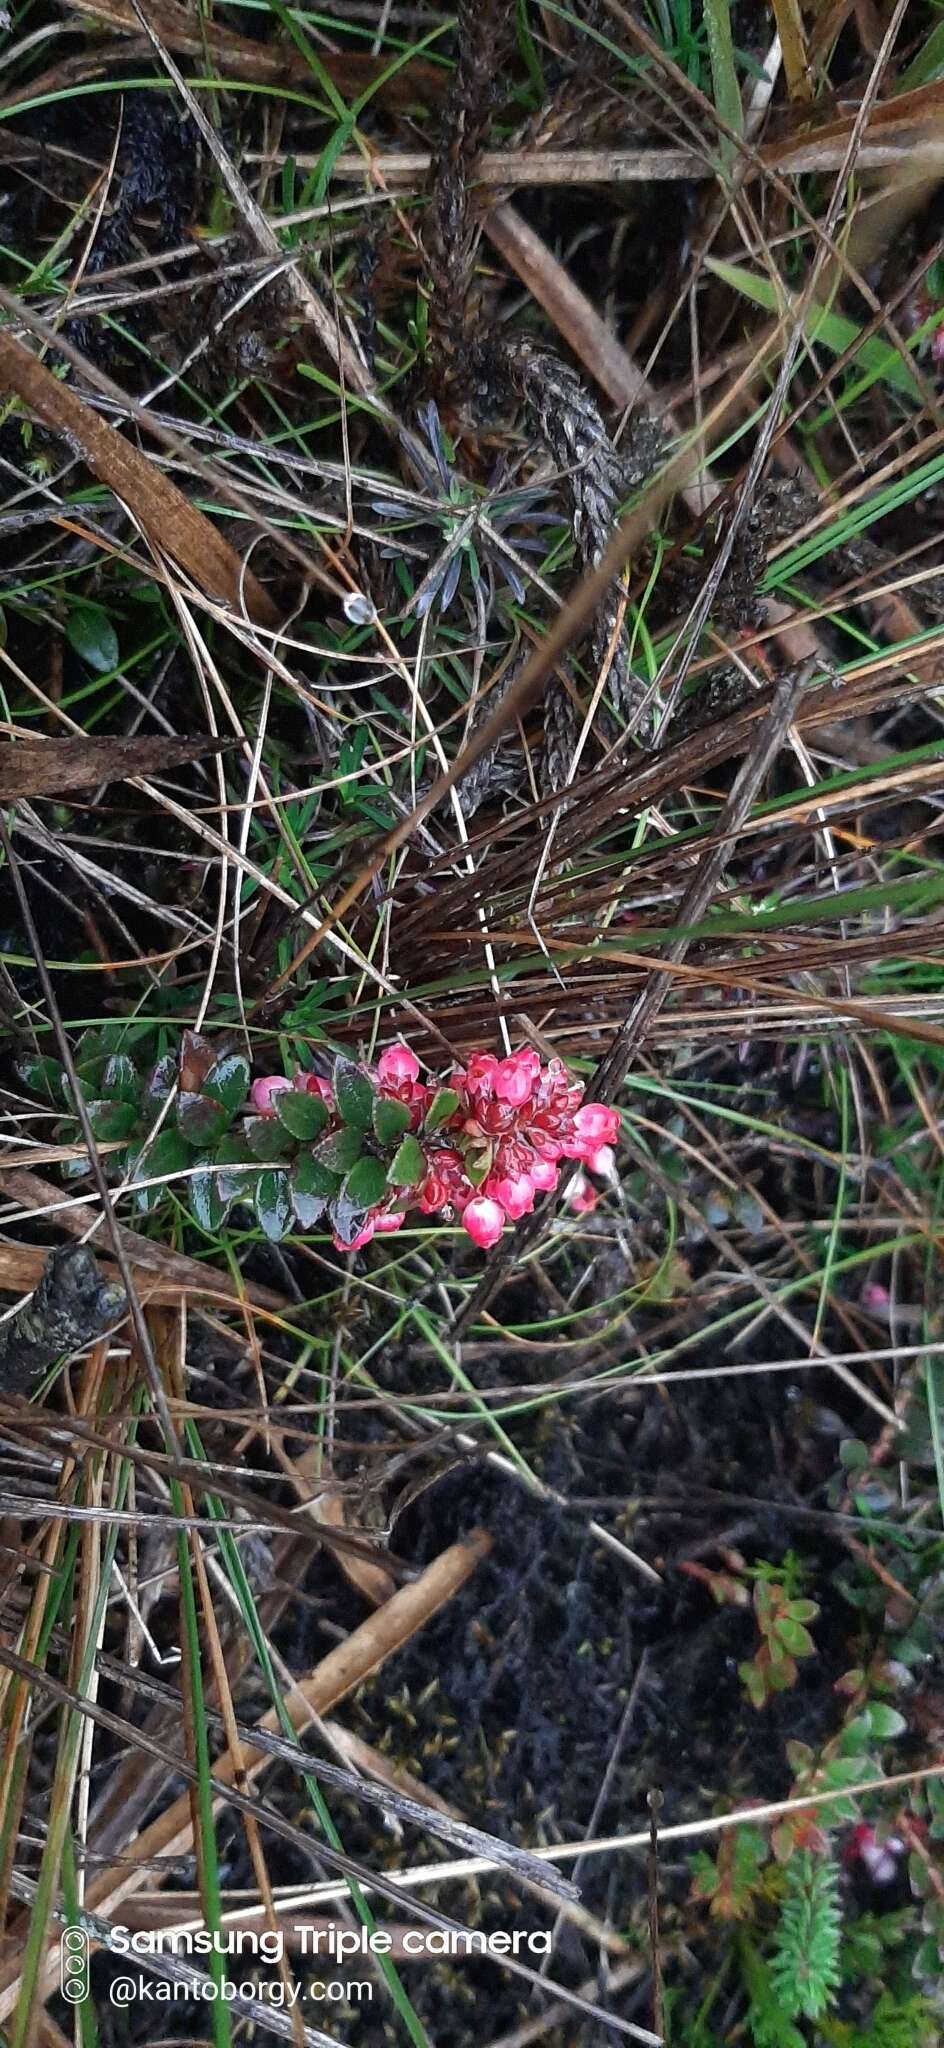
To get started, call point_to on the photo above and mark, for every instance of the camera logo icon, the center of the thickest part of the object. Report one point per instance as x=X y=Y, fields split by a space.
x=74 y=1965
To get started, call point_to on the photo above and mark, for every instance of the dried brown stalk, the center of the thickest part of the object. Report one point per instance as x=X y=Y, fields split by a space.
x=237 y=56
x=452 y=229
x=595 y=477
x=51 y=767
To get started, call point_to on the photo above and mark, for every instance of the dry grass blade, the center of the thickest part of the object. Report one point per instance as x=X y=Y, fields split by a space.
x=52 y=767
x=170 y=1273
x=407 y=85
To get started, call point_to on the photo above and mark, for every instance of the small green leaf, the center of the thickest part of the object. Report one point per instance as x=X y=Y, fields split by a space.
x=310 y=1177
x=113 y=1121
x=366 y=1183
x=302 y=1114
x=231 y=1158
x=272 y=1201
x=267 y=1139
x=90 y=632
x=753 y=1682
x=43 y=1075
x=89 y=1073
x=804 y=1610
x=228 y=1081
x=886 y=1721
x=200 y=1120
x=353 y=1094
x=309 y=1209
x=444 y=1105
x=340 y=1150
x=206 y=1202
x=781 y=1674
x=90 y=1047
x=478 y=1167
x=169 y=1154
x=120 y=1081
x=391 y=1118
x=794 y=1636
x=409 y=1166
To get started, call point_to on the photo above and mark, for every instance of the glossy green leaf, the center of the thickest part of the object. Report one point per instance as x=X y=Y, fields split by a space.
x=444 y=1105
x=206 y=1201
x=391 y=1118
x=309 y=1209
x=90 y=632
x=120 y=1080
x=267 y=1139
x=346 y=1218
x=353 y=1094
x=311 y=1177
x=272 y=1201
x=113 y=1122
x=340 y=1150
x=409 y=1166
x=231 y=1158
x=228 y=1081
x=200 y=1120
x=303 y=1115
x=366 y=1183
x=169 y=1153
x=161 y=1079
x=43 y=1075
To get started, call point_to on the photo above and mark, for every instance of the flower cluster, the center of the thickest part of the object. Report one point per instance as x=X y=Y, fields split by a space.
x=482 y=1147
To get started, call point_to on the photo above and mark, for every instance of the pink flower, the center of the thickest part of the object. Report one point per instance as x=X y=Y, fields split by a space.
x=374 y=1225
x=544 y=1175
x=596 y=1124
x=314 y=1085
x=390 y=1222
x=397 y=1065
x=484 y=1221
x=516 y=1076
x=881 y=1861
x=480 y=1074
x=514 y=1193
x=582 y=1196
x=263 y=1090
x=876 y=1299
x=602 y=1161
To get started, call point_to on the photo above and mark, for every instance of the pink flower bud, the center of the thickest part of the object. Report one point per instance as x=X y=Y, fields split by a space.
x=514 y=1193
x=602 y=1161
x=314 y=1085
x=263 y=1090
x=481 y=1073
x=582 y=1196
x=544 y=1176
x=881 y=1861
x=392 y=1221
x=484 y=1221
x=397 y=1065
